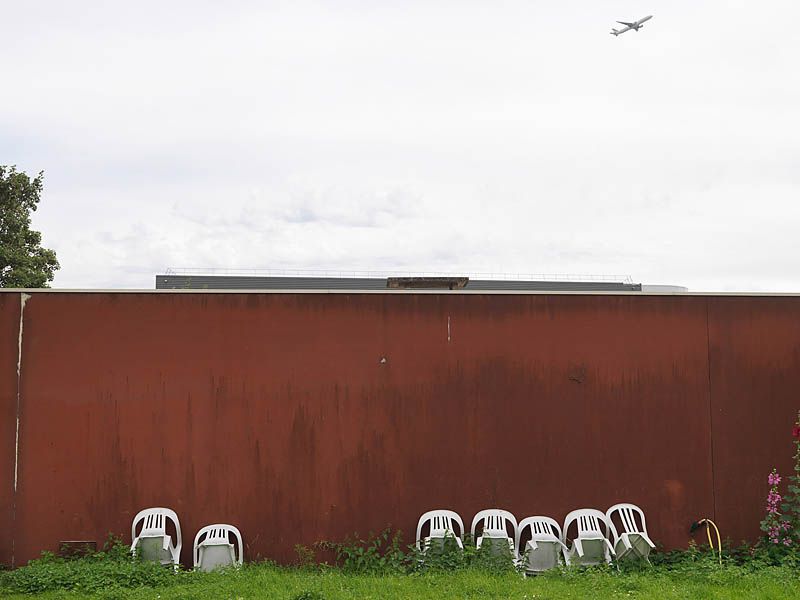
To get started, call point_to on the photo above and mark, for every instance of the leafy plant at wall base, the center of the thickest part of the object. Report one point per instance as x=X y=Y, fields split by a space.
x=378 y=554
x=110 y=569
x=791 y=501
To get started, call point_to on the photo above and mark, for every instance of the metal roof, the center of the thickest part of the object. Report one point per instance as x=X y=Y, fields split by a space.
x=644 y=292
x=239 y=282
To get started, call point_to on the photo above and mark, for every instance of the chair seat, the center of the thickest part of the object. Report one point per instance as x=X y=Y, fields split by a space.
x=216 y=555
x=156 y=548
x=542 y=555
x=633 y=546
x=590 y=551
x=543 y=539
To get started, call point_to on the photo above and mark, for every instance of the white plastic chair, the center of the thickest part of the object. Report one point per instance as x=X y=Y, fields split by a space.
x=544 y=547
x=634 y=541
x=213 y=548
x=494 y=527
x=591 y=546
x=153 y=543
x=441 y=527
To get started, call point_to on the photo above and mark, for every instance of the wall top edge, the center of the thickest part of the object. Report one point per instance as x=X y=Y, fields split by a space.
x=403 y=292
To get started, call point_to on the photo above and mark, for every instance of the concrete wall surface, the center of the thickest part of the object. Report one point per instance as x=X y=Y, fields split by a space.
x=300 y=417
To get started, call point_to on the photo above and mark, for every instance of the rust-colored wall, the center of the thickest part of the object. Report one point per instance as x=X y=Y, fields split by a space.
x=274 y=411
x=9 y=327
x=755 y=375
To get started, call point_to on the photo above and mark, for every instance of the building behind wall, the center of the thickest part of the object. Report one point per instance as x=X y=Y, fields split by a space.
x=209 y=281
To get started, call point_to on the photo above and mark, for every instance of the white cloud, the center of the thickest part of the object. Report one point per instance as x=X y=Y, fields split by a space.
x=513 y=136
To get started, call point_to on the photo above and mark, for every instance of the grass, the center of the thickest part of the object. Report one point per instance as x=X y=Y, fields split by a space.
x=269 y=581
x=377 y=568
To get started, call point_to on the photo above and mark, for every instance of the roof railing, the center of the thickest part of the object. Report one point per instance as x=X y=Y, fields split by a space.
x=377 y=274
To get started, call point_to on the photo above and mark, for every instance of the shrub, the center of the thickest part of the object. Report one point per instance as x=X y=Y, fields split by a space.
x=382 y=554
x=378 y=554
x=112 y=568
x=492 y=558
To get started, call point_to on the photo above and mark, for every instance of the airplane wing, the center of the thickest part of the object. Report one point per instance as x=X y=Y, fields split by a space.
x=626 y=24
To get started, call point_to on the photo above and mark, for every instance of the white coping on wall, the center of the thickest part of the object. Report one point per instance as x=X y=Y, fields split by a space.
x=403 y=292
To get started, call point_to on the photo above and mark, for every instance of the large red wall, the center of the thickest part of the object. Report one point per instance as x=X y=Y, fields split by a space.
x=9 y=336
x=275 y=412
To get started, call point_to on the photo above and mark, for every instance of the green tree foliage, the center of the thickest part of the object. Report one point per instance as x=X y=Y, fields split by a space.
x=23 y=260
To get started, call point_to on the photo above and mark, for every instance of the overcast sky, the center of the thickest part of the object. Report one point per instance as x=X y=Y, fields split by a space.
x=410 y=136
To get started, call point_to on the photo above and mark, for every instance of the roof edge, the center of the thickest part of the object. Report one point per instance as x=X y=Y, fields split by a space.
x=464 y=292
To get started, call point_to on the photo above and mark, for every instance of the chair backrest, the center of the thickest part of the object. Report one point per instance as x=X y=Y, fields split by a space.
x=589 y=522
x=219 y=534
x=154 y=523
x=542 y=528
x=442 y=521
x=627 y=514
x=494 y=523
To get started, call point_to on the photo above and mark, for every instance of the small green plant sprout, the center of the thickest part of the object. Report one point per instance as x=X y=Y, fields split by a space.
x=306 y=557
x=308 y=595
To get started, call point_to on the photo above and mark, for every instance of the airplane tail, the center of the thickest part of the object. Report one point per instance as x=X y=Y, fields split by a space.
x=614 y=32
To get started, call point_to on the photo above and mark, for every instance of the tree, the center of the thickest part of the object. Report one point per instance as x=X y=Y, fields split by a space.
x=23 y=261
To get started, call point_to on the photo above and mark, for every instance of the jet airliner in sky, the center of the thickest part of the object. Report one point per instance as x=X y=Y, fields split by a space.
x=636 y=25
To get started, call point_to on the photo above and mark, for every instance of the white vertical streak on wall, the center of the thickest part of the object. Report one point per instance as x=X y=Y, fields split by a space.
x=448 y=328
x=23 y=298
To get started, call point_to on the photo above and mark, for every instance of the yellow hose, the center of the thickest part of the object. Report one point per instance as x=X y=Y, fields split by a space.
x=710 y=542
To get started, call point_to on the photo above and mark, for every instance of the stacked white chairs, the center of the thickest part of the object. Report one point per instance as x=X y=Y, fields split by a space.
x=542 y=551
x=217 y=546
x=220 y=545
x=495 y=532
x=591 y=545
x=153 y=543
x=442 y=527
x=633 y=542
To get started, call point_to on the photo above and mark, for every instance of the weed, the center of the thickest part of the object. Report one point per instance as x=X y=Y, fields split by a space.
x=306 y=557
x=307 y=595
x=377 y=554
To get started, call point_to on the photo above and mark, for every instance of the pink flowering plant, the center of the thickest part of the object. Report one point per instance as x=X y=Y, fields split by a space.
x=777 y=528
x=782 y=521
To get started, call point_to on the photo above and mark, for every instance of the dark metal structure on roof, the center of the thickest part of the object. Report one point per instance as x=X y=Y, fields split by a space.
x=247 y=282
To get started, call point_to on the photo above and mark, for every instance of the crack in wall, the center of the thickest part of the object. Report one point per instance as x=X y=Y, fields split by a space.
x=23 y=298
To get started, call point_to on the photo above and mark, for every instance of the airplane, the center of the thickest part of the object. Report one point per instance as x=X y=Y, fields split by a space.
x=636 y=26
